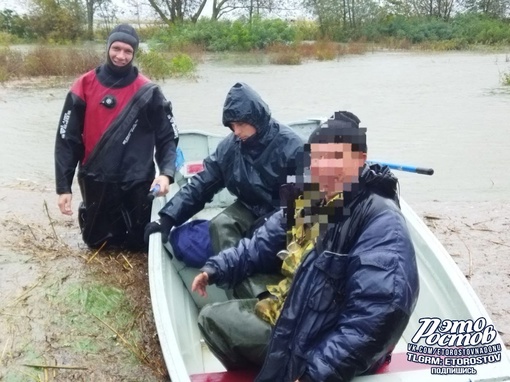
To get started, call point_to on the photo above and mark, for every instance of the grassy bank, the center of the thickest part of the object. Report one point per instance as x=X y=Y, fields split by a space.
x=68 y=313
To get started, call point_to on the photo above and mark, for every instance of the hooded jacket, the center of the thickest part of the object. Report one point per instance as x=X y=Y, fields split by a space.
x=351 y=297
x=252 y=170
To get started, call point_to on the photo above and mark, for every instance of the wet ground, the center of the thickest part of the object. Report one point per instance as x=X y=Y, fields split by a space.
x=84 y=316
x=477 y=236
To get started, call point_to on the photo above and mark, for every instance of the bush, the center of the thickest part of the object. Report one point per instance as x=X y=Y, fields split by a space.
x=7 y=39
x=461 y=30
x=306 y=30
x=153 y=64
x=280 y=54
x=11 y=63
x=505 y=79
x=326 y=50
x=182 y=65
x=47 y=61
x=159 y=66
x=219 y=36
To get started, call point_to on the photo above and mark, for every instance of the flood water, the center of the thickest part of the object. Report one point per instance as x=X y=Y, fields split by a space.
x=447 y=111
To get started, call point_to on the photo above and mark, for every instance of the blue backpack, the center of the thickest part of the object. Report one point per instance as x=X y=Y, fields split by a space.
x=191 y=243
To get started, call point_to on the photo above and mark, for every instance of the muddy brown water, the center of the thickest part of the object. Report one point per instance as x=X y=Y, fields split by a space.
x=447 y=111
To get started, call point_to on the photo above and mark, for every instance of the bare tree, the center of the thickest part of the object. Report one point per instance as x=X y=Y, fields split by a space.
x=91 y=6
x=222 y=7
x=436 y=8
x=494 y=8
x=334 y=15
x=107 y=13
x=173 y=11
x=136 y=6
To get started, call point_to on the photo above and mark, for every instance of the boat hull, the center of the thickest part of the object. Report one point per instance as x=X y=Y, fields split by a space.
x=444 y=293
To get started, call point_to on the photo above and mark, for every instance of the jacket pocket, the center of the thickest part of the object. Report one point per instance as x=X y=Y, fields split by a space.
x=328 y=282
x=375 y=277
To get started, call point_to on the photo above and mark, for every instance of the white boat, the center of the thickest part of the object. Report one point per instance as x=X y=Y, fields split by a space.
x=445 y=294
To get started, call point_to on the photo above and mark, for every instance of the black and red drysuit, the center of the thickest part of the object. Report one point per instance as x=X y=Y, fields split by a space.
x=110 y=127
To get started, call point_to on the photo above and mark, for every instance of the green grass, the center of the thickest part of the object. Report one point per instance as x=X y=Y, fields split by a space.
x=101 y=301
x=88 y=309
x=25 y=374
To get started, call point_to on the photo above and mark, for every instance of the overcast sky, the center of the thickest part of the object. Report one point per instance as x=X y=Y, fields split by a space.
x=21 y=6
x=12 y=4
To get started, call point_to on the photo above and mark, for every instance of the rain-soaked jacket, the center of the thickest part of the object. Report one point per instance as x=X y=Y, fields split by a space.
x=350 y=299
x=252 y=170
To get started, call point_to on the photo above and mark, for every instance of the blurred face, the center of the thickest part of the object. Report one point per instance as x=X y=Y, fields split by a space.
x=120 y=53
x=335 y=167
x=243 y=130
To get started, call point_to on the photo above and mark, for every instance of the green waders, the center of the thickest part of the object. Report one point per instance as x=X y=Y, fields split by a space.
x=234 y=334
x=229 y=226
x=226 y=229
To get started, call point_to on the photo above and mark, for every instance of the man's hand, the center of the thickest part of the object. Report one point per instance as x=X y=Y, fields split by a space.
x=164 y=184
x=199 y=284
x=163 y=225
x=64 y=203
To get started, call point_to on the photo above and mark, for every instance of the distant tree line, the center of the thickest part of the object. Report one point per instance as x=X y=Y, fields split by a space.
x=340 y=20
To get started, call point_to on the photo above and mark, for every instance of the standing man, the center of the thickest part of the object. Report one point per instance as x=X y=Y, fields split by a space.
x=249 y=162
x=351 y=280
x=112 y=121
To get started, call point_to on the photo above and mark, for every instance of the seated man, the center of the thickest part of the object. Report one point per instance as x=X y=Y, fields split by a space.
x=351 y=276
x=247 y=162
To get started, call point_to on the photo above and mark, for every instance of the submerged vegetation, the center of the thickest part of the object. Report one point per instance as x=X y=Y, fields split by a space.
x=46 y=61
x=506 y=78
x=50 y=60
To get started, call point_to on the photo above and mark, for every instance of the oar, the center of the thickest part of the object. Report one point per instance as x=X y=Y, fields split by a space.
x=404 y=167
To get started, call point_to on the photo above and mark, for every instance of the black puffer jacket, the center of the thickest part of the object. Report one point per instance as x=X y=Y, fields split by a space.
x=252 y=170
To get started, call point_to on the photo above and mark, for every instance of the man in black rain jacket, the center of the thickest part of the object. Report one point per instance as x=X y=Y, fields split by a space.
x=251 y=163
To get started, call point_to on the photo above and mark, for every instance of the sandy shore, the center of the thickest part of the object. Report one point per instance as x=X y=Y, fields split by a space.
x=477 y=236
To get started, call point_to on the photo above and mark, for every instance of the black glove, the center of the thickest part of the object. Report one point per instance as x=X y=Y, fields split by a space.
x=163 y=225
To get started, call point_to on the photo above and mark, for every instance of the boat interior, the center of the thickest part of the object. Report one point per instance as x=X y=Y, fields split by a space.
x=444 y=291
